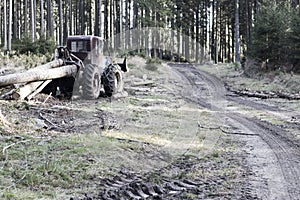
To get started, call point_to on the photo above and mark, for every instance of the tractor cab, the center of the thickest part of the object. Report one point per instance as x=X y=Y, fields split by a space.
x=89 y=49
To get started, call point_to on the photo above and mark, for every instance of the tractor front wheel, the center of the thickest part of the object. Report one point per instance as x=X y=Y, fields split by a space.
x=112 y=80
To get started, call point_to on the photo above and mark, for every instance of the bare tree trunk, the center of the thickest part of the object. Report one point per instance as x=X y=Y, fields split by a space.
x=111 y=30
x=42 y=19
x=117 y=24
x=65 y=26
x=50 y=18
x=5 y=25
x=90 y=18
x=197 y=34
x=237 y=32
x=71 y=18
x=26 y=18
x=32 y=20
x=10 y=25
x=100 y=18
x=213 y=45
x=60 y=16
x=15 y=20
x=82 y=17
x=106 y=19
x=126 y=24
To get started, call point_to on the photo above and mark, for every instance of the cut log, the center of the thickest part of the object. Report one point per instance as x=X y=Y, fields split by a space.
x=49 y=65
x=39 y=75
x=23 y=92
x=264 y=94
x=38 y=90
x=144 y=83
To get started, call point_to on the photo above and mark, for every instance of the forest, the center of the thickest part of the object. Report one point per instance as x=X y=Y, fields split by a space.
x=264 y=31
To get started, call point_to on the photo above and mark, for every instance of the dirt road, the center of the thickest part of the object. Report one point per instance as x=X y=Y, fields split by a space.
x=272 y=152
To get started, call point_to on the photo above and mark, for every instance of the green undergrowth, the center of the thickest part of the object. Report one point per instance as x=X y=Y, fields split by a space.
x=22 y=61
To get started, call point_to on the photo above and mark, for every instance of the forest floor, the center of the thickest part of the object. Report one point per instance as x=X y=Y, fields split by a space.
x=179 y=134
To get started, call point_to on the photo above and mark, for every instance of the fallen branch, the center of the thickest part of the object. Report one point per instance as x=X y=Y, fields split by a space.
x=264 y=94
x=55 y=126
x=13 y=144
x=225 y=131
x=4 y=150
x=144 y=83
x=8 y=94
x=130 y=140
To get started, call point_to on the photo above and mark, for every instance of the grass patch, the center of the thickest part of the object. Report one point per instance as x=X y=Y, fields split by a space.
x=61 y=163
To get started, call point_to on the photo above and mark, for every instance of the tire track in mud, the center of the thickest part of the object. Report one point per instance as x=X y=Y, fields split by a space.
x=131 y=185
x=202 y=85
x=171 y=182
x=285 y=151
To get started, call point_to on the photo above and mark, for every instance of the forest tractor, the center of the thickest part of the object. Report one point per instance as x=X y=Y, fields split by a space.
x=79 y=69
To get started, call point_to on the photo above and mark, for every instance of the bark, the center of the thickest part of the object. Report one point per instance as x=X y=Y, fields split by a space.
x=26 y=90
x=38 y=90
x=60 y=16
x=197 y=34
x=42 y=19
x=264 y=94
x=117 y=24
x=237 y=32
x=49 y=65
x=26 y=17
x=90 y=18
x=50 y=18
x=65 y=26
x=82 y=17
x=10 y=25
x=38 y=75
x=71 y=18
x=32 y=20
x=5 y=25
x=53 y=64
x=213 y=45
x=100 y=18
x=106 y=19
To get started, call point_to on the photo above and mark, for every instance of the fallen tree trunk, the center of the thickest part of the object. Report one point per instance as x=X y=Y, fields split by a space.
x=38 y=75
x=49 y=65
x=23 y=92
x=38 y=90
x=265 y=94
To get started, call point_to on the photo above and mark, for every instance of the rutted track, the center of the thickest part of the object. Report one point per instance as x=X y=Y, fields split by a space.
x=173 y=182
x=286 y=152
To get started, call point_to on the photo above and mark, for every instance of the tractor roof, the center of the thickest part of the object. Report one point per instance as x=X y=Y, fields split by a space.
x=83 y=37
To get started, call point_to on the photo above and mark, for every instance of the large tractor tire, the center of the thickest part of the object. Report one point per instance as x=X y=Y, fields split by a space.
x=91 y=82
x=112 y=80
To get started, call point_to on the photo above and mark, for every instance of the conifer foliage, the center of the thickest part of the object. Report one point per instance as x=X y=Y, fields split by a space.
x=216 y=30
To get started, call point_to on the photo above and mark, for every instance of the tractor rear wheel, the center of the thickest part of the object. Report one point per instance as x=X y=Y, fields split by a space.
x=91 y=82
x=112 y=80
